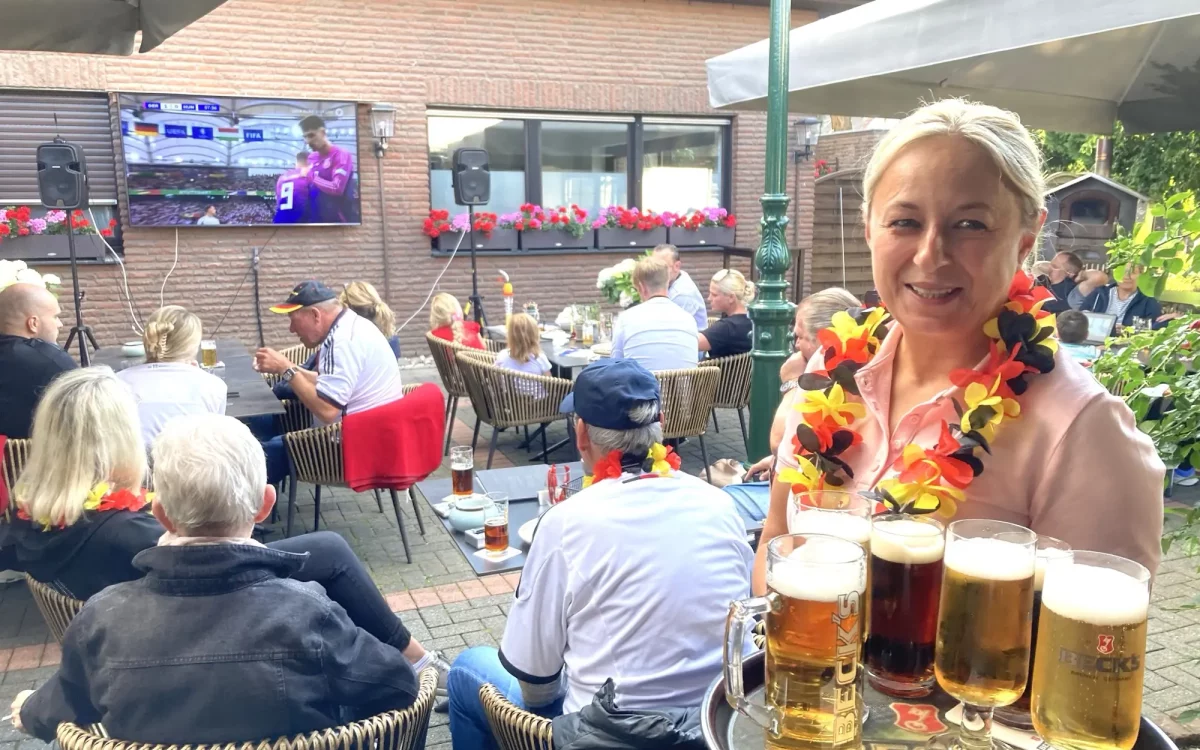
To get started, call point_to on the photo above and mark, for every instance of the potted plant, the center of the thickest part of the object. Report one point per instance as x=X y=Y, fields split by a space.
x=618 y=226
x=492 y=232
x=709 y=227
x=555 y=228
x=25 y=235
x=616 y=284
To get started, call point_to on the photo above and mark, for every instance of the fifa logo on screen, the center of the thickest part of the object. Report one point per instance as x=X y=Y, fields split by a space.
x=845 y=670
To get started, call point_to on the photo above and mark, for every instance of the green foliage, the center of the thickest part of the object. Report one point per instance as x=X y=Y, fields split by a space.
x=1164 y=243
x=1154 y=164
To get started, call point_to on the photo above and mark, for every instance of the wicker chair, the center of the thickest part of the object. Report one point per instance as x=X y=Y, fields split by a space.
x=297 y=355
x=16 y=453
x=393 y=730
x=452 y=380
x=506 y=398
x=687 y=400
x=733 y=392
x=57 y=609
x=513 y=728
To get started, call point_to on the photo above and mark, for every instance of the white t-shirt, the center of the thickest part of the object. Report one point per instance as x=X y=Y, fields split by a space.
x=208 y=221
x=165 y=390
x=684 y=292
x=356 y=369
x=539 y=365
x=630 y=580
x=658 y=334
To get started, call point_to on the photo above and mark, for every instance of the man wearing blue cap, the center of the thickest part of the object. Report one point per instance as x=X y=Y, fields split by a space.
x=629 y=579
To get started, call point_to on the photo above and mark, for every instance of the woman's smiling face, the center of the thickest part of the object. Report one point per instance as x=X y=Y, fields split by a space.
x=946 y=235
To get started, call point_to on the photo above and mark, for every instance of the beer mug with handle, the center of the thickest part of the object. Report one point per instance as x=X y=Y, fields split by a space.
x=813 y=611
x=1091 y=657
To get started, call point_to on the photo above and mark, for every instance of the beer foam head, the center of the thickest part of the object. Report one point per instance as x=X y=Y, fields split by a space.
x=906 y=541
x=834 y=523
x=990 y=559
x=1098 y=596
x=1044 y=558
x=817 y=571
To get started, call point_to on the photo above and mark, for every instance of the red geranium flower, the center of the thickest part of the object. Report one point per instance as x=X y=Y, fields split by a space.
x=106 y=233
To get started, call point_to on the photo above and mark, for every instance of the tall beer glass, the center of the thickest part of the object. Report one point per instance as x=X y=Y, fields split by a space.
x=1049 y=550
x=846 y=515
x=816 y=584
x=906 y=582
x=984 y=613
x=462 y=470
x=1087 y=681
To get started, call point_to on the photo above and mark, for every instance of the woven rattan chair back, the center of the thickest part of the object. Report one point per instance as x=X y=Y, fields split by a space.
x=443 y=358
x=297 y=355
x=57 y=610
x=317 y=455
x=511 y=398
x=733 y=390
x=392 y=730
x=16 y=453
x=687 y=400
x=513 y=728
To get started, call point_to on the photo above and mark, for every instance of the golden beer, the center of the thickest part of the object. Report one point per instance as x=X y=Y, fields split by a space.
x=982 y=655
x=208 y=353
x=846 y=515
x=462 y=470
x=1087 y=692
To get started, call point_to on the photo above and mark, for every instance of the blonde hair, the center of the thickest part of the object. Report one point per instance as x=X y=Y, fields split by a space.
x=816 y=310
x=652 y=272
x=172 y=335
x=997 y=131
x=731 y=281
x=85 y=431
x=445 y=310
x=362 y=298
x=523 y=337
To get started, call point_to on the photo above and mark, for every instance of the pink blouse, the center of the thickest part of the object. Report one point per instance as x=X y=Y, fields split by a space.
x=1073 y=466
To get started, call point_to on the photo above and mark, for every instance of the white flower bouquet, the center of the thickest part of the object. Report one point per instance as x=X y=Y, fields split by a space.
x=616 y=283
x=17 y=272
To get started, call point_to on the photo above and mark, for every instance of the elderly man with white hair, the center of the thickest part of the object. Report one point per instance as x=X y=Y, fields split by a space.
x=629 y=579
x=216 y=643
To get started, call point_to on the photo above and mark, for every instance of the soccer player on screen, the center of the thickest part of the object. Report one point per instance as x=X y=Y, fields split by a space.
x=331 y=172
x=292 y=194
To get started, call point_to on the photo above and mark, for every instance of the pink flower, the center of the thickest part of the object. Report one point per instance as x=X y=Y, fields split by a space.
x=598 y=223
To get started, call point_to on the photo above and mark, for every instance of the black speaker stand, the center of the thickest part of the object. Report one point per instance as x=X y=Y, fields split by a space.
x=475 y=299
x=84 y=332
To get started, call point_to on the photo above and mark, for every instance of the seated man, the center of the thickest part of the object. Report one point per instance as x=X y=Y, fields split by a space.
x=355 y=369
x=630 y=578
x=658 y=334
x=1064 y=277
x=216 y=644
x=29 y=358
x=680 y=288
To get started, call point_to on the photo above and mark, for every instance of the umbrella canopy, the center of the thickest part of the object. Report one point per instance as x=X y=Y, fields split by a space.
x=97 y=27
x=1073 y=65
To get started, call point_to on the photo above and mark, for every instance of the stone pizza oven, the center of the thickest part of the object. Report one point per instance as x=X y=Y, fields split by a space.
x=1083 y=214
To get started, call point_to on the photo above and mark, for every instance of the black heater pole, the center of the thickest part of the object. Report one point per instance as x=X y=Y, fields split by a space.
x=80 y=330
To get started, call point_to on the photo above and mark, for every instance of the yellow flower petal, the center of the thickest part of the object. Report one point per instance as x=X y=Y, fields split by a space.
x=1011 y=408
x=991 y=329
x=975 y=394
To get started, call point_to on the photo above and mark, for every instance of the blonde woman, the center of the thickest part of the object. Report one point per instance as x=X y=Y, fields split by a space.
x=524 y=351
x=446 y=322
x=728 y=294
x=362 y=298
x=171 y=383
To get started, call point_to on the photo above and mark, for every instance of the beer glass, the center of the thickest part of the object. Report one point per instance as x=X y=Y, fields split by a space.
x=846 y=515
x=495 y=524
x=1087 y=681
x=462 y=470
x=208 y=353
x=813 y=620
x=1049 y=549
x=982 y=651
x=906 y=581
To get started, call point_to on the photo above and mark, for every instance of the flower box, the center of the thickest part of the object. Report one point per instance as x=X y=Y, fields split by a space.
x=555 y=239
x=701 y=237
x=501 y=239
x=616 y=237
x=52 y=247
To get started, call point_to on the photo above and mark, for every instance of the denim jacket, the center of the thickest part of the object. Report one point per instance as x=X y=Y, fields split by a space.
x=216 y=645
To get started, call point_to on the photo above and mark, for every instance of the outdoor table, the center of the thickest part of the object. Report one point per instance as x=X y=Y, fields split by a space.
x=249 y=395
x=892 y=724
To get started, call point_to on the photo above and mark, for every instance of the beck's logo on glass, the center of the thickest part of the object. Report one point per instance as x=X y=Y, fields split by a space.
x=1104 y=644
x=1104 y=663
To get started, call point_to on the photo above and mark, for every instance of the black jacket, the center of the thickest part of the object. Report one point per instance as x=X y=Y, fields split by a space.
x=26 y=367
x=1061 y=291
x=600 y=725
x=1140 y=307
x=216 y=645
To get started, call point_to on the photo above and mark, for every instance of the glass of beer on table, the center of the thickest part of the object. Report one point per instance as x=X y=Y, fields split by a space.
x=906 y=581
x=982 y=651
x=495 y=524
x=462 y=470
x=1087 y=680
x=816 y=584
x=208 y=353
x=1049 y=550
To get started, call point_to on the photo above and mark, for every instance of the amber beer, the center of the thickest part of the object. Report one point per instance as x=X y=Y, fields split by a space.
x=906 y=582
x=462 y=470
x=495 y=524
x=846 y=515
x=208 y=353
x=1087 y=692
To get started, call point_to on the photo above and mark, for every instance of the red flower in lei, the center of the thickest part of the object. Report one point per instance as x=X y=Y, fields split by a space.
x=122 y=499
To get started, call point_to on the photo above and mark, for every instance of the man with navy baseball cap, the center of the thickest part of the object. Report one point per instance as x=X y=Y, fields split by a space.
x=630 y=578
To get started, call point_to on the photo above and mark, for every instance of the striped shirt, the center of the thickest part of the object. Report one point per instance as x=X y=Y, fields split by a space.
x=356 y=369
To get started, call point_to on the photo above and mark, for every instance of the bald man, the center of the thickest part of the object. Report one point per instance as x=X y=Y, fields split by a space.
x=29 y=356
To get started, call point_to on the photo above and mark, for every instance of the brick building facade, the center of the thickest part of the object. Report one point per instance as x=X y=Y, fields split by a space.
x=621 y=56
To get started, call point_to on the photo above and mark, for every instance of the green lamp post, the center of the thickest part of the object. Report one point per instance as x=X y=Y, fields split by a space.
x=772 y=312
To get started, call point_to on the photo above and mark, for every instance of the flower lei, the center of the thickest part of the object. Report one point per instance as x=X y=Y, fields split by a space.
x=102 y=497
x=927 y=479
x=660 y=460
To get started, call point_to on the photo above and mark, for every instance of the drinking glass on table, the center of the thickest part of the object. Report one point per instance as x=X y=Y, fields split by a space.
x=462 y=470
x=495 y=524
x=208 y=353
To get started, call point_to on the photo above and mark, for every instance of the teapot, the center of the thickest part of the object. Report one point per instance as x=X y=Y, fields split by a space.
x=468 y=512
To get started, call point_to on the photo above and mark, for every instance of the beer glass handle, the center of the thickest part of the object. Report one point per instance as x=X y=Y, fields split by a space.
x=735 y=638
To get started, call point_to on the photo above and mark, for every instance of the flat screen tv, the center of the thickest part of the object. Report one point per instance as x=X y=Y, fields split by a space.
x=213 y=161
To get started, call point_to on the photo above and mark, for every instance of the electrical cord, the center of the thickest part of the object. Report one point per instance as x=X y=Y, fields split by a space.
x=133 y=317
x=435 y=282
x=162 y=289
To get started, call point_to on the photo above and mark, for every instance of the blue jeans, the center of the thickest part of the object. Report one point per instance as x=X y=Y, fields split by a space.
x=751 y=499
x=469 y=728
x=265 y=427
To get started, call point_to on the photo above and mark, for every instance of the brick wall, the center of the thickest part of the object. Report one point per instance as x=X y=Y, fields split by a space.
x=628 y=56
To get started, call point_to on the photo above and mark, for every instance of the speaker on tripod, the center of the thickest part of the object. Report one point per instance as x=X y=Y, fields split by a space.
x=62 y=182
x=472 y=182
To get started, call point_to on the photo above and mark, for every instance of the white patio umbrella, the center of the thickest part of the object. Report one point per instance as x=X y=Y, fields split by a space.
x=97 y=27
x=1072 y=65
